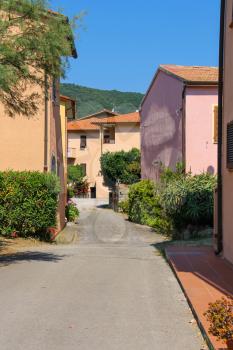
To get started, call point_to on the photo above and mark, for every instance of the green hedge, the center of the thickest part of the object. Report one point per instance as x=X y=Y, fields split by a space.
x=144 y=206
x=28 y=203
x=189 y=200
x=176 y=202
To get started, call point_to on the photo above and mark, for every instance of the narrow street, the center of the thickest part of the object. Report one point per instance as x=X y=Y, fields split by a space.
x=109 y=290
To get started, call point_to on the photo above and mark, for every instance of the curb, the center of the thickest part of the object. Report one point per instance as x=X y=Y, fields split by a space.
x=202 y=329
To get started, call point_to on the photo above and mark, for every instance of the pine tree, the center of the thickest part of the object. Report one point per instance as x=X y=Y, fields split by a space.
x=34 y=42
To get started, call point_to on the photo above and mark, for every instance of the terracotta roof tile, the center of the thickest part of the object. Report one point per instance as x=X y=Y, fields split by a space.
x=193 y=73
x=123 y=118
x=94 y=122
x=82 y=124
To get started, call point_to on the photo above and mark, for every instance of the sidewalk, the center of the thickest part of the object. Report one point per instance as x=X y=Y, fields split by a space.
x=203 y=278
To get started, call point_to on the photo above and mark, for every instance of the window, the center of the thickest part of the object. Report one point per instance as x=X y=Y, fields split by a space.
x=215 y=124
x=106 y=138
x=84 y=168
x=230 y=145
x=109 y=134
x=83 y=142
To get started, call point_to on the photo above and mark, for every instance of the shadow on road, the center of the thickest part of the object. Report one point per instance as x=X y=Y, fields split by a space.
x=15 y=258
x=103 y=206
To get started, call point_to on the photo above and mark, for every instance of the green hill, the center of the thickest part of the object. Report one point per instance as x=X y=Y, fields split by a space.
x=91 y=100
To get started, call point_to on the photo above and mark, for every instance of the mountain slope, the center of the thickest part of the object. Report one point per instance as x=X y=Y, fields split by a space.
x=91 y=100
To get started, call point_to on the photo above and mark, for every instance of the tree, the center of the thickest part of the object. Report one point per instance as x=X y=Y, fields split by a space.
x=34 y=42
x=75 y=173
x=121 y=166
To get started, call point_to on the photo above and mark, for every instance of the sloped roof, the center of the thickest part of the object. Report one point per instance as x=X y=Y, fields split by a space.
x=189 y=75
x=67 y=98
x=106 y=111
x=195 y=74
x=82 y=124
x=93 y=123
x=123 y=118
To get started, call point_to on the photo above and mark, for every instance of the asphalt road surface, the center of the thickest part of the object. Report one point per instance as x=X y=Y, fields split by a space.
x=109 y=290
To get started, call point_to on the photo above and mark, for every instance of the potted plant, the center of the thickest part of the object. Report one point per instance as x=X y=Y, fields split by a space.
x=220 y=317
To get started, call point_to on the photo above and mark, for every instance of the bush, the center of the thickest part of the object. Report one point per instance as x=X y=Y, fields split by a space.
x=70 y=192
x=124 y=206
x=75 y=173
x=77 y=184
x=72 y=212
x=121 y=166
x=28 y=203
x=189 y=200
x=220 y=317
x=144 y=206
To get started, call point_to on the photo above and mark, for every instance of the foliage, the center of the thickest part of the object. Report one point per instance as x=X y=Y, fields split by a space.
x=220 y=316
x=91 y=100
x=121 y=166
x=33 y=40
x=28 y=203
x=75 y=173
x=124 y=206
x=144 y=206
x=167 y=175
x=70 y=192
x=77 y=184
x=81 y=189
x=72 y=212
x=189 y=200
x=176 y=202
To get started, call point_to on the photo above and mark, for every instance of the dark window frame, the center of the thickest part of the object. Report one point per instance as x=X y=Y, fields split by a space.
x=83 y=141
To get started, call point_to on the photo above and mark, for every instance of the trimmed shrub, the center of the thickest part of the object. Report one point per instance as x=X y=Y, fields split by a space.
x=144 y=206
x=124 y=206
x=72 y=212
x=121 y=166
x=189 y=200
x=28 y=203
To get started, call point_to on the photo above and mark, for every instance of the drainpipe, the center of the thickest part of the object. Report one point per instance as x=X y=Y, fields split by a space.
x=46 y=124
x=101 y=139
x=220 y=129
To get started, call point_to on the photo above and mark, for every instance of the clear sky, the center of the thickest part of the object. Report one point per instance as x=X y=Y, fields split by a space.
x=123 y=41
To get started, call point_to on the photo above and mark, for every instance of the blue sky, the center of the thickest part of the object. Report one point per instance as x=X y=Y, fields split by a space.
x=123 y=41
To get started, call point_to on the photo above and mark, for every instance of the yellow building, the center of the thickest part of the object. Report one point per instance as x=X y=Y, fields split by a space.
x=90 y=137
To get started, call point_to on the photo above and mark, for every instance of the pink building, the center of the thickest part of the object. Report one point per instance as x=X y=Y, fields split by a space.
x=179 y=120
x=223 y=205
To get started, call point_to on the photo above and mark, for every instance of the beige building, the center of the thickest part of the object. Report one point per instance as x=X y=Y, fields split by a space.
x=96 y=134
x=224 y=217
x=38 y=143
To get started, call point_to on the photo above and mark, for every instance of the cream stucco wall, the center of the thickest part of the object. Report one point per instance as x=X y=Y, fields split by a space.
x=227 y=117
x=22 y=141
x=127 y=136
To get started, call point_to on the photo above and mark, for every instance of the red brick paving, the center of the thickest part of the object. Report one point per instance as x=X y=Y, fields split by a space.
x=204 y=278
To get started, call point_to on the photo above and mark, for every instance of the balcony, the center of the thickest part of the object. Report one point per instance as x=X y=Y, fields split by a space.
x=72 y=153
